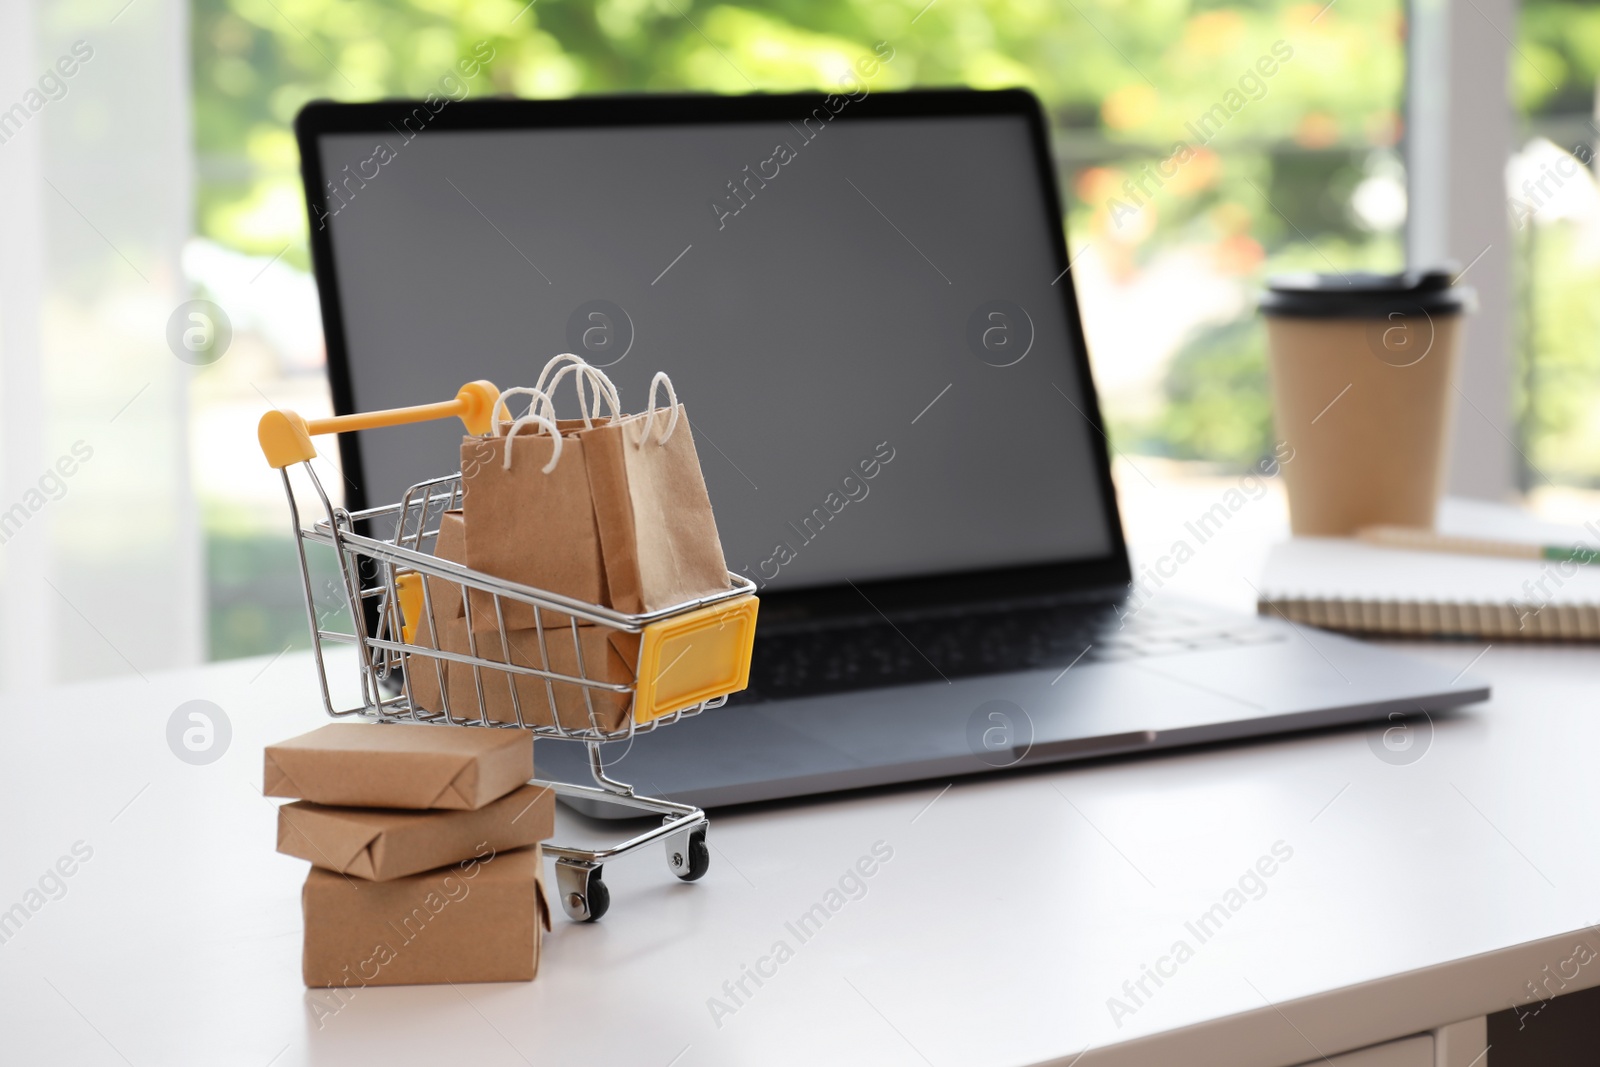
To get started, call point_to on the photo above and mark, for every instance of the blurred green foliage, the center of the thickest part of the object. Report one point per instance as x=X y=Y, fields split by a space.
x=1557 y=59
x=1558 y=394
x=1555 y=71
x=255 y=600
x=1121 y=78
x=1217 y=403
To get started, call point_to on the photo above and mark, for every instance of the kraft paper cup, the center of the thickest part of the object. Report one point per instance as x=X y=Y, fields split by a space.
x=1363 y=369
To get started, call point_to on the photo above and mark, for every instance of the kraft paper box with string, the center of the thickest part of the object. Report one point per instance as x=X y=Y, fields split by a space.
x=613 y=511
x=399 y=765
x=381 y=844
x=481 y=920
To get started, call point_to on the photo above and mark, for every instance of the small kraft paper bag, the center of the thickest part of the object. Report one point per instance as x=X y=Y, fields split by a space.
x=613 y=511
x=658 y=537
x=528 y=513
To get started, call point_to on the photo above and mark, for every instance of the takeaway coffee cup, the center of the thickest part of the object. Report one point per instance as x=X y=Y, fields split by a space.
x=1363 y=369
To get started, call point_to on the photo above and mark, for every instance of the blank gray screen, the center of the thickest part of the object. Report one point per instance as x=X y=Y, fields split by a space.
x=863 y=300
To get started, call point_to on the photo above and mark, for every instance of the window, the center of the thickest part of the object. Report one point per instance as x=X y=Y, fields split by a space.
x=1200 y=147
x=1555 y=217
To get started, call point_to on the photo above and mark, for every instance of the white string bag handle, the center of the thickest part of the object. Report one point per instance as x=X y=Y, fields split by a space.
x=532 y=417
x=556 y=361
x=595 y=375
x=603 y=387
x=535 y=392
x=650 y=411
x=584 y=408
x=544 y=424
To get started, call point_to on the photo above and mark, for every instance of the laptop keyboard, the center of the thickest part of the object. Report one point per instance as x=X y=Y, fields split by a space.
x=875 y=653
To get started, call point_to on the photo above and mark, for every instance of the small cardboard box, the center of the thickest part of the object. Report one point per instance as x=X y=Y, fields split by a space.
x=451 y=544
x=399 y=765
x=425 y=672
x=381 y=844
x=608 y=656
x=477 y=921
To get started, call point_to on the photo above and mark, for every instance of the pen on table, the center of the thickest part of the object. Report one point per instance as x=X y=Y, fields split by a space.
x=1428 y=541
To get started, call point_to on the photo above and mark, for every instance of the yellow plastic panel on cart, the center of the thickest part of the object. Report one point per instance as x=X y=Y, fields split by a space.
x=408 y=590
x=694 y=657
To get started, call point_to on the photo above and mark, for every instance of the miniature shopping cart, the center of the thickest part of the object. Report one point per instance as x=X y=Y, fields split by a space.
x=690 y=656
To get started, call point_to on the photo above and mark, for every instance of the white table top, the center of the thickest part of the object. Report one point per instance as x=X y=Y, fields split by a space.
x=1012 y=908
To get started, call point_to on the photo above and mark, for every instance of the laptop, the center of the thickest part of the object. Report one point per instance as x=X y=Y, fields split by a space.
x=866 y=304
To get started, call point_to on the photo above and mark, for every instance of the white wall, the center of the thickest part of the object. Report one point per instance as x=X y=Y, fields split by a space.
x=100 y=573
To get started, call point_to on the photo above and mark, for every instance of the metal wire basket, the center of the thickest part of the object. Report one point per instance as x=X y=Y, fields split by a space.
x=434 y=647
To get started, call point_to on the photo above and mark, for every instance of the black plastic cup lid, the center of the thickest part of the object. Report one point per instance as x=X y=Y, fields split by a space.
x=1360 y=295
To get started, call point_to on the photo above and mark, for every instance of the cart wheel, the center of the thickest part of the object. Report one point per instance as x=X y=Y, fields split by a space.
x=584 y=897
x=688 y=855
x=599 y=897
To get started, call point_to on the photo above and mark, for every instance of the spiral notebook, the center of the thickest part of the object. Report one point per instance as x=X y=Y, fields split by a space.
x=1343 y=584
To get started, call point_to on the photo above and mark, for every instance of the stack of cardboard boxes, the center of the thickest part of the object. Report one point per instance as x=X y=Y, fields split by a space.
x=424 y=844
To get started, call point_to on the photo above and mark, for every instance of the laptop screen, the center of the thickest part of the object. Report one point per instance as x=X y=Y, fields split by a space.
x=864 y=320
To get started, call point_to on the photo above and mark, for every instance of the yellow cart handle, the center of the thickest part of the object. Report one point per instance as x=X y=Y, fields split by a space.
x=286 y=437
